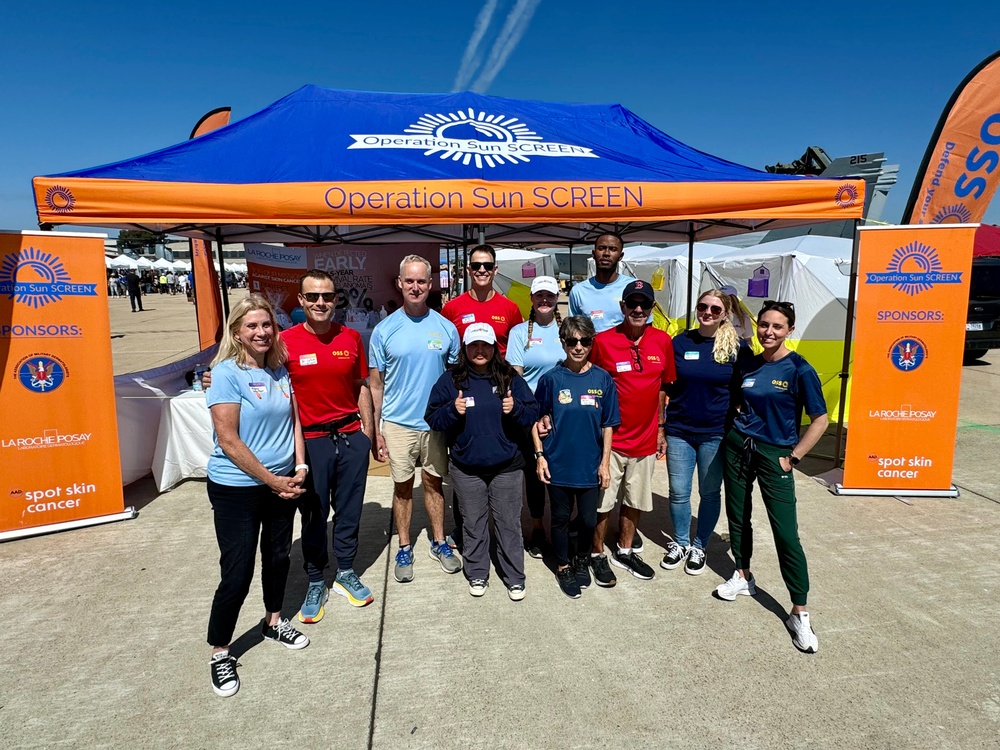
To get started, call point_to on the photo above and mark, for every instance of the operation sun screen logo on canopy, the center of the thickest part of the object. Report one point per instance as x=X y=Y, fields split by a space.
x=908 y=345
x=506 y=140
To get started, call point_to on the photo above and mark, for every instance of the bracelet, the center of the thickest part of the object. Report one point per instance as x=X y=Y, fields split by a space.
x=662 y=425
x=302 y=467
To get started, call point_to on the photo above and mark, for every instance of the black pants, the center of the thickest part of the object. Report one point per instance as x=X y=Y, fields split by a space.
x=561 y=499
x=534 y=488
x=338 y=466
x=242 y=516
x=135 y=298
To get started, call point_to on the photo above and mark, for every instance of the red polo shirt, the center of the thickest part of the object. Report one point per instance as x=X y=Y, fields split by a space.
x=499 y=312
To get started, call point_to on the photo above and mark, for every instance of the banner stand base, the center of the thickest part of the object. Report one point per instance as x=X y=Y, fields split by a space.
x=126 y=515
x=839 y=489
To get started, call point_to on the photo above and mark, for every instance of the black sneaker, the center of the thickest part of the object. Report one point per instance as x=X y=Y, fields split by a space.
x=568 y=583
x=225 y=681
x=535 y=546
x=695 y=564
x=603 y=576
x=674 y=556
x=637 y=546
x=581 y=569
x=284 y=633
x=633 y=564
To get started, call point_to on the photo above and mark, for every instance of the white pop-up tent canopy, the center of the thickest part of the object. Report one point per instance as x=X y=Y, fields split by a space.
x=516 y=269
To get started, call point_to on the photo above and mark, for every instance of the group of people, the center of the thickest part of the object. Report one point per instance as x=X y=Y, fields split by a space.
x=577 y=410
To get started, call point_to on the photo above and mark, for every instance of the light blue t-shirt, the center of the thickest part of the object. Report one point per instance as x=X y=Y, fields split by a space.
x=599 y=301
x=544 y=353
x=266 y=424
x=411 y=354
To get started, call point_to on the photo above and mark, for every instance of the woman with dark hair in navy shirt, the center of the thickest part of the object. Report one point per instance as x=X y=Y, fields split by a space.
x=582 y=403
x=764 y=444
x=696 y=423
x=483 y=407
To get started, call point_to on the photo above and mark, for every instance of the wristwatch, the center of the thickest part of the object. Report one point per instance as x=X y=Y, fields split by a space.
x=794 y=459
x=539 y=454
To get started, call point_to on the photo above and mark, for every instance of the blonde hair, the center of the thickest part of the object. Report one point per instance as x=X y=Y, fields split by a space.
x=230 y=346
x=727 y=339
x=415 y=259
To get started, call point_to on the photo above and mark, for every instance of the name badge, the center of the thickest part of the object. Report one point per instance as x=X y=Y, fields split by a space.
x=434 y=344
x=692 y=355
x=597 y=314
x=623 y=366
x=467 y=319
x=748 y=382
x=258 y=389
x=469 y=402
x=534 y=342
x=307 y=359
x=588 y=400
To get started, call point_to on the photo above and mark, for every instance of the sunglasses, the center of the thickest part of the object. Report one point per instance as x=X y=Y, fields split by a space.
x=314 y=296
x=644 y=302
x=572 y=341
x=775 y=303
x=636 y=358
x=715 y=309
x=475 y=265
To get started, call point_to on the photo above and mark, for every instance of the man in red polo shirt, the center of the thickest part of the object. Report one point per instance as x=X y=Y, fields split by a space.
x=482 y=303
x=640 y=359
x=328 y=368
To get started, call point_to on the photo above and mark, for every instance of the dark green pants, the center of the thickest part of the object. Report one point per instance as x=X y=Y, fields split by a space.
x=743 y=466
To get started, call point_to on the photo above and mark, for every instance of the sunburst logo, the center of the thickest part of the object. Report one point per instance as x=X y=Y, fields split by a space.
x=472 y=138
x=35 y=278
x=953 y=214
x=847 y=195
x=60 y=199
x=914 y=268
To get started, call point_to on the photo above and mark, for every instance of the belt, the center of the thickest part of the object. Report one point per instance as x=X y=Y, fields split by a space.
x=333 y=427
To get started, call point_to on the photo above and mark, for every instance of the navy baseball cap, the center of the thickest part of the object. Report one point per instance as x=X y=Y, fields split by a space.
x=638 y=287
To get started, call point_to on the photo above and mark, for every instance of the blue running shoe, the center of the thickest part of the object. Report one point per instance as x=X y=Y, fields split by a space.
x=312 y=608
x=442 y=552
x=404 y=565
x=348 y=584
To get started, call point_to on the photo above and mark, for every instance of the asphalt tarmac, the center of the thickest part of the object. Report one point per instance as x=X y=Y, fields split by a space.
x=105 y=646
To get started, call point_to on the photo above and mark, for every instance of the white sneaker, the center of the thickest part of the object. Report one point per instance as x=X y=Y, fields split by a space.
x=477 y=586
x=736 y=586
x=802 y=633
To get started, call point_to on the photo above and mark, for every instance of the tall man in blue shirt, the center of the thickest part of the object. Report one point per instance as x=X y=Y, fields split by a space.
x=410 y=349
x=599 y=296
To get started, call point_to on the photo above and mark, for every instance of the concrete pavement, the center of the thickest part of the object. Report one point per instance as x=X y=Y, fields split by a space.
x=105 y=645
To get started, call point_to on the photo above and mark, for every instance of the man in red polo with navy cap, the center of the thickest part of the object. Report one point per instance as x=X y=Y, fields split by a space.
x=640 y=359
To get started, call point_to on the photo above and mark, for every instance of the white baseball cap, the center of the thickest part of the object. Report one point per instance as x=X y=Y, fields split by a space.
x=545 y=284
x=479 y=332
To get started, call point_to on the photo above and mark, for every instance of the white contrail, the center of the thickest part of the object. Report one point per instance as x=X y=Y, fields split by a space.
x=511 y=33
x=470 y=59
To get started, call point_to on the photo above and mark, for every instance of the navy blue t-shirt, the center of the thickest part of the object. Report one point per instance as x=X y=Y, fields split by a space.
x=581 y=405
x=700 y=397
x=773 y=395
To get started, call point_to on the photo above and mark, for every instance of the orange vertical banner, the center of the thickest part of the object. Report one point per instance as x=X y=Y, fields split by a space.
x=959 y=174
x=912 y=304
x=59 y=435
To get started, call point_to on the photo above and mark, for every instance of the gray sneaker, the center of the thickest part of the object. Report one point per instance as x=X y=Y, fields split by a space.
x=443 y=553
x=404 y=565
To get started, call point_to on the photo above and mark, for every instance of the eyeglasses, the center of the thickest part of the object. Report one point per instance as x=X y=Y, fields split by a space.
x=775 y=303
x=314 y=296
x=572 y=341
x=475 y=265
x=644 y=302
x=636 y=358
x=715 y=309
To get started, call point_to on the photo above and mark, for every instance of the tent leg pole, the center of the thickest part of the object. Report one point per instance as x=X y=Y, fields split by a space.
x=845 y=367
x=222 y=275
x=690 y=278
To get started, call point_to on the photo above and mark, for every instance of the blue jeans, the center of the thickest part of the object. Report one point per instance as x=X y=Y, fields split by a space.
x=683 y=454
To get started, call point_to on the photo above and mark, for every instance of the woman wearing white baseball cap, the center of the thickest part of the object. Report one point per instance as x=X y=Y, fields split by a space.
x=483 y=407
x=533 y=348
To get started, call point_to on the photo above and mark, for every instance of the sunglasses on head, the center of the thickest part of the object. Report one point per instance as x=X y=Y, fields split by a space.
x=572 y=341
x=773 y=303
x=475 y=265
x=314 y=296
x=714 y=309
x=644 y=302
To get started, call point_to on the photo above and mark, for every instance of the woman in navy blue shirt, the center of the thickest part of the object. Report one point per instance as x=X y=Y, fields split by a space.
x=764 y=444
x=582 y=403
x=483 y=407
x=696 y=423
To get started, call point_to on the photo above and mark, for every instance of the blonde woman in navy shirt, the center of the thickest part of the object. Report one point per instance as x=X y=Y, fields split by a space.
x=775 y=387
x=696 y=423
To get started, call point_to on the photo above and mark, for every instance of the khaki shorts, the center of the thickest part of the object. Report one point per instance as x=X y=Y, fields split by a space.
x=409 y=449
x=633 y=479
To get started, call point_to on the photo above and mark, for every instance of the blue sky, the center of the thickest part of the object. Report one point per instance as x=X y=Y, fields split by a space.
x=89 y=83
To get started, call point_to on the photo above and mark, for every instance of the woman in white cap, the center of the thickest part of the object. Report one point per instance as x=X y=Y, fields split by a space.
x=483 y=407
x=533 y=348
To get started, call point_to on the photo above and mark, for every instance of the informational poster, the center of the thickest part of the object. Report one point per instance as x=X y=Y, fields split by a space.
x=59 y=434
x=364 y=277
x=912 y=305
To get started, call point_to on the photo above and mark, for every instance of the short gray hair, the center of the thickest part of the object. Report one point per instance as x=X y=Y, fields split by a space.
x=415 y=259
